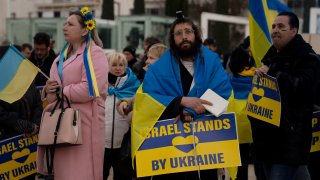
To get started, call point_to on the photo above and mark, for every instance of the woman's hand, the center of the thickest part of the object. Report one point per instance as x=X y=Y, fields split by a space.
x=51 y=86
x=122 y=107
x=50 y=89
x=195 y=104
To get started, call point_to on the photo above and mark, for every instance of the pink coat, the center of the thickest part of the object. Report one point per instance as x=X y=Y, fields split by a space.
x=83 y=162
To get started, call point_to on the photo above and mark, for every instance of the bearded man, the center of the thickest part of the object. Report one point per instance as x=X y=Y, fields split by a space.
x=176 y=82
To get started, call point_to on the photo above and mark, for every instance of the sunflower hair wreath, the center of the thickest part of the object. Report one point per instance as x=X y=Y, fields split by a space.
x=88 y=18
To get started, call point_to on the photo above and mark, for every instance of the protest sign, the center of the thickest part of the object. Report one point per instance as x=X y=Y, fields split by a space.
x=206 y=143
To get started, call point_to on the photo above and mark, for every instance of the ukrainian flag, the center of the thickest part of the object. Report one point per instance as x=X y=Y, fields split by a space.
x=162 y=84
x=261 y=16
x=17 y=74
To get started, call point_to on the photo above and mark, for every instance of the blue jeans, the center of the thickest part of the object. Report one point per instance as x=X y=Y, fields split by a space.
x=285 y=172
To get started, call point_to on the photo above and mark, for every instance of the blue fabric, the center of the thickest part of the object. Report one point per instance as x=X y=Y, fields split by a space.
x=128 y=89
x=86 y=60
x=9 y=65
x=61 y=59
x=241 y=86
x=162 y=80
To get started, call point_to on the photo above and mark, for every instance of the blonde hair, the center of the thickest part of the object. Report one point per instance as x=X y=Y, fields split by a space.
x=157 y=49
x=117 y=57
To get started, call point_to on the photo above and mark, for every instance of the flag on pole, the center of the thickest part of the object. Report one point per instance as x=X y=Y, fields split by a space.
x=17 y=74
x=261 y=16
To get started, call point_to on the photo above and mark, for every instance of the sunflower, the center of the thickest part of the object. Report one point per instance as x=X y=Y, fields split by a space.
x=91 y=24
x=84 y=10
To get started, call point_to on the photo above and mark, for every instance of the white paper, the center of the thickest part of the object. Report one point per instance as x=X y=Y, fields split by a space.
x=219 y=104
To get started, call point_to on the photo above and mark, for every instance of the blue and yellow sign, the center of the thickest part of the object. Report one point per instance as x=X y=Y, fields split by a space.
x=207 y=143
x=264 y=101
x=18 y=157
x=315 y=143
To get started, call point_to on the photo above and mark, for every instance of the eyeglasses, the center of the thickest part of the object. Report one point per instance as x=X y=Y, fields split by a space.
x=188 y=32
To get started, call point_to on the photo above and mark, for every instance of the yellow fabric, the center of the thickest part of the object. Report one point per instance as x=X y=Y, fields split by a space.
x=258 y=40
x=231 y=108
x=146 y=112
x=243 y=123
x=20 y=83
x=248 y=72
x=233 y=172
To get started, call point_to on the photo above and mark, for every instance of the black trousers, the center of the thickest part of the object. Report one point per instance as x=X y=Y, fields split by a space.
x=314 y=165
x=111 y=159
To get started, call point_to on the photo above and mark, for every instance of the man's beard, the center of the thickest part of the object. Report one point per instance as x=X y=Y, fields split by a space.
x=186 y=52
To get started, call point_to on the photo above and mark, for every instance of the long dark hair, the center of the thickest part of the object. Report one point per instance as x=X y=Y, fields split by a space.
x=197 y=33
x=240 y=58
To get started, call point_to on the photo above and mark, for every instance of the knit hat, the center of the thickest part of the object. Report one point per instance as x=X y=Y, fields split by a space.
x=130 y=49
x=210 y=41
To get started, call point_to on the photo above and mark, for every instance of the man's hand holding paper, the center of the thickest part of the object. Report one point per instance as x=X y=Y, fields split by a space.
x=219 y=104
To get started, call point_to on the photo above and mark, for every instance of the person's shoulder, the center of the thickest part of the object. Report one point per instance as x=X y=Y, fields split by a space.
x=32 y=57
x=52 y=55
x=210 y=56
x=96 y=50
x=94 y=47
x=314 y=56
x=209 y=53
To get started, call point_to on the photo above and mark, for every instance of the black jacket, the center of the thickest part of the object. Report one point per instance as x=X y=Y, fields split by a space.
x=44 y=65
x=295 y=70
x=20 y=116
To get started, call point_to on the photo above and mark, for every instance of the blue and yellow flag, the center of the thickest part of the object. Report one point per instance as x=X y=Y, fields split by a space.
x=242 y=86
x=162 y=84
x=17 y=74
x=261 y=16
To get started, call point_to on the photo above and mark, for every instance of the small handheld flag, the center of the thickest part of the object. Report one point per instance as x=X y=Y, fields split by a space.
x=17 y=74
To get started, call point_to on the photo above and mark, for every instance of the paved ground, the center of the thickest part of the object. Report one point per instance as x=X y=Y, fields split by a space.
x=251 y=175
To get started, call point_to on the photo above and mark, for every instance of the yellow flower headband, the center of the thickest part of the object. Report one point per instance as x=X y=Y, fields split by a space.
x=88 y=18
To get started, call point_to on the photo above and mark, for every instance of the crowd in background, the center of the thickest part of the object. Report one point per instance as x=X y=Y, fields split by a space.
x=124 y=72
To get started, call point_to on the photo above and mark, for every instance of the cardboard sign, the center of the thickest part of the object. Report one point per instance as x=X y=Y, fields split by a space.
x=18 y=157
x=315 y=143
x=264 y=102
x=207 y=143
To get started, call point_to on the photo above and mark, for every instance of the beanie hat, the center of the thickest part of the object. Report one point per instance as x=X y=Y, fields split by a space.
x=130 y=49
x=210 y=41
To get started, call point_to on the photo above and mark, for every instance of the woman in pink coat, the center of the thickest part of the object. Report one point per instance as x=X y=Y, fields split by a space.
x=70 y=73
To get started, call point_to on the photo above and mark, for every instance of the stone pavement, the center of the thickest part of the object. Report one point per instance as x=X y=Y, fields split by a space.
x=251 y=175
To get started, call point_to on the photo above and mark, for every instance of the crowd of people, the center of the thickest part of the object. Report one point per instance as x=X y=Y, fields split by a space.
x=176 y=75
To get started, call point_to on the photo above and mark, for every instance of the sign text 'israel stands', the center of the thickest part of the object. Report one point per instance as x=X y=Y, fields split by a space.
x=169 y=147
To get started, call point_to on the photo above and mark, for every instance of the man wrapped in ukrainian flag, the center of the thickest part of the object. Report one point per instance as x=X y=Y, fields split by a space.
x=173 y=85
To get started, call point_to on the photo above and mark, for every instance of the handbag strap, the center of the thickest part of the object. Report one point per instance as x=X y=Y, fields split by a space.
x=64 y=97
x=56 y=105
x=52 y=148
x=61 y=101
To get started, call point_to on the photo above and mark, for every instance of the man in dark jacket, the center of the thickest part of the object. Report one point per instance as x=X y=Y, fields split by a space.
x=42 y=56
x=284 y=150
